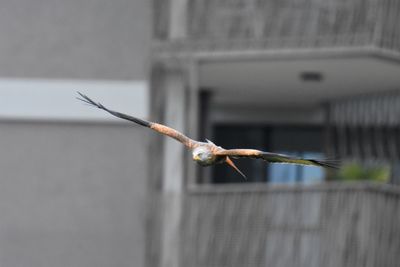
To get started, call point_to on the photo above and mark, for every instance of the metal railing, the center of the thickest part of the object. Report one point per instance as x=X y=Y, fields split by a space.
x=322 y=225
x=390 y=19
x=277 y=24
x=365 y=127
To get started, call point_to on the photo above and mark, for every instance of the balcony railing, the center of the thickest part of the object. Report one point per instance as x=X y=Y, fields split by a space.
x=323 y=225
x=276 y=24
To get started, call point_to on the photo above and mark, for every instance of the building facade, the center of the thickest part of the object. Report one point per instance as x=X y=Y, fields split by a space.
x=312 y=78
x=307 y=77
x=285 y=70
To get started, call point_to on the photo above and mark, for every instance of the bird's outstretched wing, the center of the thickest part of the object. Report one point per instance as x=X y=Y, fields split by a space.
x=152 y=125
x=276 y=158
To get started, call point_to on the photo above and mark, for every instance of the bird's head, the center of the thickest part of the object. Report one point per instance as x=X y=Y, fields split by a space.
x=203 y=155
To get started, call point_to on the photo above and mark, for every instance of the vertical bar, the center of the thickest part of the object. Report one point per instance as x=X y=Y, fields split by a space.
x=192 y=107
x=328 y=140
x=205 y=131
x=204 y=116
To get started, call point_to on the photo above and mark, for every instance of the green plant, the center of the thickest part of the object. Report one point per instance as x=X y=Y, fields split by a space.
x=357 y=172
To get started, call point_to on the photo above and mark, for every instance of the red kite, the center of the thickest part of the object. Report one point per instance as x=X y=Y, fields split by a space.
x=207 y=153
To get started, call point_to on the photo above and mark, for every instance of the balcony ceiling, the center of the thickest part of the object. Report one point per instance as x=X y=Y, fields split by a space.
x=277 y=83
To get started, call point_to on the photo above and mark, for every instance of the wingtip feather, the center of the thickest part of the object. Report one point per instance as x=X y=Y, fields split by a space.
x=333 y=164
x=84 y=98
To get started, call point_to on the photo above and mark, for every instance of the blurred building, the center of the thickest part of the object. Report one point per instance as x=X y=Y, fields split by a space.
x=311 y=78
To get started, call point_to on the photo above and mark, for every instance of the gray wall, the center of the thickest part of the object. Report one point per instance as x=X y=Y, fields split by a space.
x=72 y=194
x=80 y=39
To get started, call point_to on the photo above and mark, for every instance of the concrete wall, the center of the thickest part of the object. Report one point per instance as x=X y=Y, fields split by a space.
x=72 y=194
x=75 y=39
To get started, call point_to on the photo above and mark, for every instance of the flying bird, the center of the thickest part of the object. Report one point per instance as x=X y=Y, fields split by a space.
x=207 y=153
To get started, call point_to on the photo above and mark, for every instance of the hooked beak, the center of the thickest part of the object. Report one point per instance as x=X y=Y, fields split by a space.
x=196 y=157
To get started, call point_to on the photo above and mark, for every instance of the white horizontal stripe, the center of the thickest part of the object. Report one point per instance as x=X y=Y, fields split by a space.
x=56 y=99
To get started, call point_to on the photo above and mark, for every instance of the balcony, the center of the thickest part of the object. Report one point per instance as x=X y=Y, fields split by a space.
x=321 y=225
x=209 y=26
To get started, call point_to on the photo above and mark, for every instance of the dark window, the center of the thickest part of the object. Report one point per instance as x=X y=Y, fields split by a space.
x=301 y=141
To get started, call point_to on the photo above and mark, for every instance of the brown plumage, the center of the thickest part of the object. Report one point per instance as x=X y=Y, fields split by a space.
x=207 y=153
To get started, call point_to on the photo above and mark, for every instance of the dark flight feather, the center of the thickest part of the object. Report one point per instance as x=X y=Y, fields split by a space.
x=89 y=101
x=152 y=125
x=277 y=158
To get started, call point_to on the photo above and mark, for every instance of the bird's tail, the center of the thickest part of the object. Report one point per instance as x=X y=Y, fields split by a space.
x=230 y=163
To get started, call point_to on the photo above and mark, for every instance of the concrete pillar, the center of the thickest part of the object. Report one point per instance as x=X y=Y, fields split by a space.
x=175 y=115
x=174 y=171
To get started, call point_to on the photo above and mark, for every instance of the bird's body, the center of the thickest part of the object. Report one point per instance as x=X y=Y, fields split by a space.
x=203 y=156
x=207 y=153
